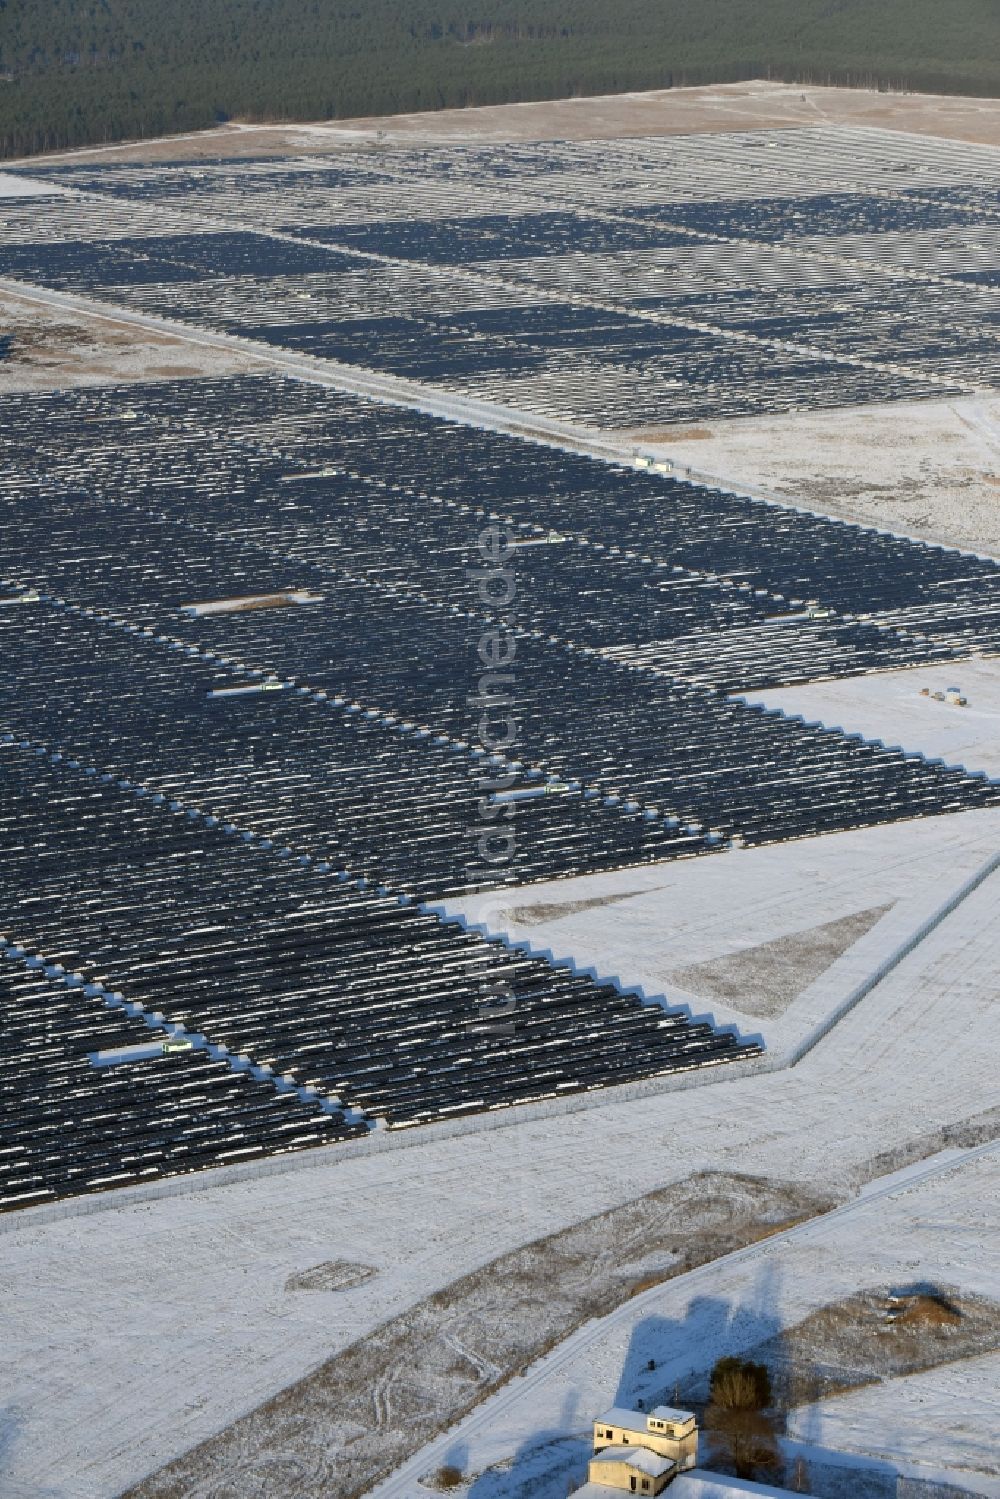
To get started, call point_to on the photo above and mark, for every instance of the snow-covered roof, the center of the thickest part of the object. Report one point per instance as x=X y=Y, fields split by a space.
x=698 y=1485
x=671 y=1413
x=619 y=1416
x=636 y=1457
x=636 y=1420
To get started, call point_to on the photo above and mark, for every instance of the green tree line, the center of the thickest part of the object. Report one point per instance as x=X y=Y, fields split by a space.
x=80 y=72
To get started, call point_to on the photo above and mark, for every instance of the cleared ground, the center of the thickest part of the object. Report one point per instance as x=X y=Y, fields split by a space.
x=763 y=980
x=891 y=706
x=56 y=349
x=745 y=935
x=929 y=469
x=757 y=104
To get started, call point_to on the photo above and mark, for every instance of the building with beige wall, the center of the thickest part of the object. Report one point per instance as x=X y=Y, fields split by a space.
x=634 y=1469
x=667 y=1432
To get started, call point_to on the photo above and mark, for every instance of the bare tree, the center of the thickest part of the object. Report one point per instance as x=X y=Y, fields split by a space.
x=738 y=1429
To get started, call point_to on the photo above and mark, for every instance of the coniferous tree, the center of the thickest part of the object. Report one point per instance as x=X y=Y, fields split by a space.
x=78 y=73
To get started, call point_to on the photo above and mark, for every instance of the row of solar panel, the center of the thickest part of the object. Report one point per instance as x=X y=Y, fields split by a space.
x=346 y=996
x=70 y=1126
x=339 y=480
x=953 y=339
x=339 y=779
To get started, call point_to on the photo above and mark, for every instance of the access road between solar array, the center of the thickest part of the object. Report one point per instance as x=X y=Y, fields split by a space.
x=320 y=370
x=397 y=390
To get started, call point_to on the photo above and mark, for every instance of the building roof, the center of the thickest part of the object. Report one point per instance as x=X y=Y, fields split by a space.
x=619 y=1416
x=699 y=1485
x=636 y=1457
x=636 y=1420
x=671 y=1413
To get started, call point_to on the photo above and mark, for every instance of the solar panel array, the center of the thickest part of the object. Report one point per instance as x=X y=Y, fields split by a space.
x=623 y=283
x=355 y=1003
x=70 y=1126
x=225 y=836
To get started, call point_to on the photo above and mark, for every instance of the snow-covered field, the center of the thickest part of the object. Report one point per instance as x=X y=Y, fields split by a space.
x=905 y=1418
x=938 y=1221
x=648 y=927
x=888 y=706
x=140 y=1330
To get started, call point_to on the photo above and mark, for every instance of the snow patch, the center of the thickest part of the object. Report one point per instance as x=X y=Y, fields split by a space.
x=12 y=186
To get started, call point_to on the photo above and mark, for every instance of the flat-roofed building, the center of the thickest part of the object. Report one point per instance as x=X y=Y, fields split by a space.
x=665 y=1431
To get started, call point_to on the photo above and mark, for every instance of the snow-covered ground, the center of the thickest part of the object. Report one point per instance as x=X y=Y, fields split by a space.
x=12 y=186
x=955 y=1407
x=143 y=1328
x=938 y=1221
x=889 y=706
x=699 y=1485
x=923 y=468
x=648 y=927
x=139 y=1330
